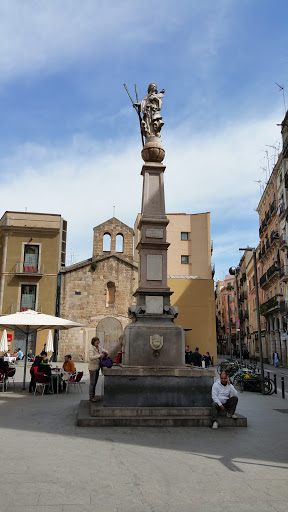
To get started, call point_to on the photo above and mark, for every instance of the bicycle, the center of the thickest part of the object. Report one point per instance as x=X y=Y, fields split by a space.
x=250 y=381
x=228 y=367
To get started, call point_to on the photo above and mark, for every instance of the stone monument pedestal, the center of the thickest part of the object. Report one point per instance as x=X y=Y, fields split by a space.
x=143 y=386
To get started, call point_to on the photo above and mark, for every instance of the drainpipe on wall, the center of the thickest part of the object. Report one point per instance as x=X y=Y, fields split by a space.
x=3 y=268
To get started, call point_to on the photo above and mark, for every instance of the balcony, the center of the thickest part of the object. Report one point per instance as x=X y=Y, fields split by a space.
x=263 y=280
x=213 y=270
x=272 y=207
x=211 y=246
x=272 y=270
x=267 y=244
x=283 y=242
x=242 y=296
x=284 y=273
x=35 y=271
x=274 y=237
x=267 y=216
x=285 y=149
x=270 y=305
x=282 y=209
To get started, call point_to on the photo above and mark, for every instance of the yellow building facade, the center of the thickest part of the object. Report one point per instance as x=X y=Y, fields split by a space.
x=32 y=251
x=190 y=278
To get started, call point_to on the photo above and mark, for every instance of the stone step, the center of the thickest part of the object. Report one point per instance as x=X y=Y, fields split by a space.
x=84 y=419
x=97 y=410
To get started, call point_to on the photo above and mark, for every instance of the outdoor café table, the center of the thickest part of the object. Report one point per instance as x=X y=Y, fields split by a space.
x=56 y=373
x=10 y=359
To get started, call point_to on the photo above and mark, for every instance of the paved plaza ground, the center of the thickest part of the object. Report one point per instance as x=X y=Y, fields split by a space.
x=50 y=465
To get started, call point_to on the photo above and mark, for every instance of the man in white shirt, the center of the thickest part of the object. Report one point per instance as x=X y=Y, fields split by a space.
x=224 y=397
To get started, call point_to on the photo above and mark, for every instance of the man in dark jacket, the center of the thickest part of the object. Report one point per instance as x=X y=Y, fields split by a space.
x=188 y=355
x=196 y=358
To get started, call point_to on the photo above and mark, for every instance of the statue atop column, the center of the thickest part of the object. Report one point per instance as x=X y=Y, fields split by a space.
x=150 y=122
x=150 y=106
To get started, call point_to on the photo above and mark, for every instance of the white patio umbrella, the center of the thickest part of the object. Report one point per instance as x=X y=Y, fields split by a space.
x=49 y=342
x=4 y=342
x=30 y=321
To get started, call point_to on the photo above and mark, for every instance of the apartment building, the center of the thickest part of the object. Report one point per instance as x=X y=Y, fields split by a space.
x=252 y=341
x=32 y=251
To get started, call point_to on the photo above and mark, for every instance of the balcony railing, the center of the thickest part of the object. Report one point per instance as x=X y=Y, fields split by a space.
x=242 y=296
x=284 y=273
x=283 y=241
x=273 y=237
x=267 y=244
x=272 y=207
x=282 y=209
x=271 y=304
x=37 y=270
x=263 y=279
x=272 y=270
x=213 y=269
x=285 y=149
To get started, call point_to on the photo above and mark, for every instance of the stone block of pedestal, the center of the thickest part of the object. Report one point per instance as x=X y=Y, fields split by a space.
x=157 y=387
x=154 y=340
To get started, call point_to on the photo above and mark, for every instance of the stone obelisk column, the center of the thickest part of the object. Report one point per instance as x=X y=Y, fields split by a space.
x=153 y=339
x=153 y=374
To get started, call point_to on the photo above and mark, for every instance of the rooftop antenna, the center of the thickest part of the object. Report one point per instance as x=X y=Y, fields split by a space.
x=113 y=211
x=267 y=155
x=274 y=147
x=137 y=108
x=281 y=88
x=264 y=169
x=260 y=186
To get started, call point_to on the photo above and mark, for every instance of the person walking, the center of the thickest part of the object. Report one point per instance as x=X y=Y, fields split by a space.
x=94 y=366
x=188 y=355
x=276 y=359
x=207 y=359
x=196 y=358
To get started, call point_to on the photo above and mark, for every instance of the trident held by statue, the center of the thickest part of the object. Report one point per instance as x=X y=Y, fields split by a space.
x=137 y=108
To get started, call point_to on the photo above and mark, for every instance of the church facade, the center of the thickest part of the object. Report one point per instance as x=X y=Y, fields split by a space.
x=98 y=291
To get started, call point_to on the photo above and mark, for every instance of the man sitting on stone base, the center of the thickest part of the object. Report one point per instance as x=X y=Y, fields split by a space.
x=224 y=397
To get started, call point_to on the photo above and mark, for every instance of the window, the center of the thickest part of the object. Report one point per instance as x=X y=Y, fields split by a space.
x=28 y=297
x=107 y=242
x=31 y=258
x=184 y=235
x=119 y=242
x=185 y=259
x=110 y=296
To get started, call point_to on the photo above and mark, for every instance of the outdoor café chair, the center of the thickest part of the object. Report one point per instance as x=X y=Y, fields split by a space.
x=75 y=380
x=3 y=378
x=10 y=374
x=41 y=381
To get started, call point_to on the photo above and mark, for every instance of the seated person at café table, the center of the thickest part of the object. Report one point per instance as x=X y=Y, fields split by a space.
x=20 y=354
x=30 y=356
x=68 y=367
x=38 y=360
x=44 y=367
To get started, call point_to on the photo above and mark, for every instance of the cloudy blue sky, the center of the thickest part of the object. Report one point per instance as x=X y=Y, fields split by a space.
x=69 y=138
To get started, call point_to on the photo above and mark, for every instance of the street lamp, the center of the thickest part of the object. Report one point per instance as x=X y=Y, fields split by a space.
x=234 y=271
x=229 y=317
x=258 y=314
